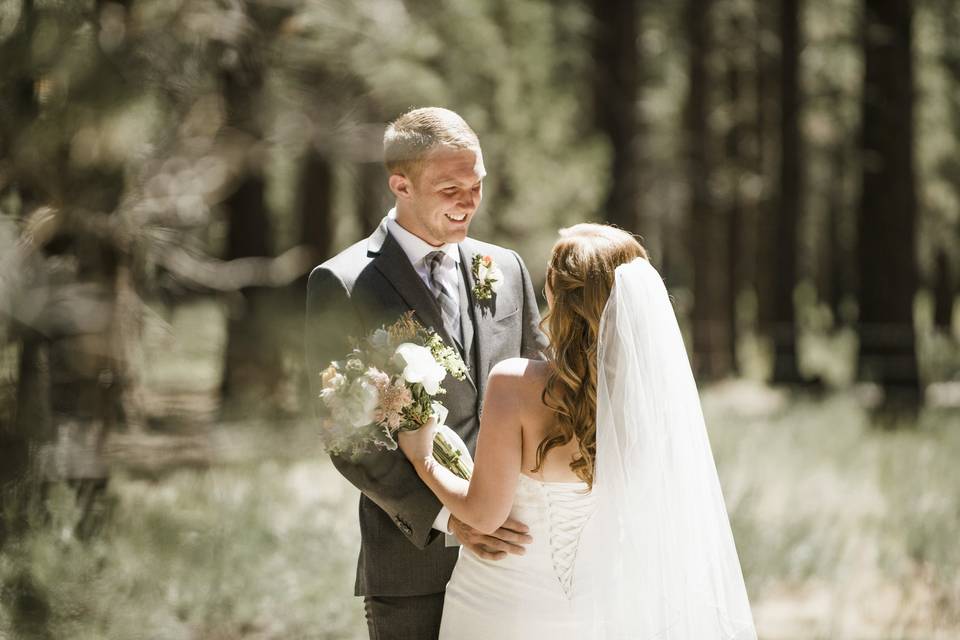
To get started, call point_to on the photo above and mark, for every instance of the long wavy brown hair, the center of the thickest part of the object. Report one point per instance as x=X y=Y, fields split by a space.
x=580 y=276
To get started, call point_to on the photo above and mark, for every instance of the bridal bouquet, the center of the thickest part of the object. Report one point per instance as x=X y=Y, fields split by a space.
x=389 y=383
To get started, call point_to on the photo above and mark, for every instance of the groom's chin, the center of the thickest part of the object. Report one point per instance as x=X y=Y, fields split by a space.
x=456 y=237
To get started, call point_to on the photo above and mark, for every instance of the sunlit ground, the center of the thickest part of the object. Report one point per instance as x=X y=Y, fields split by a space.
x=244 y=530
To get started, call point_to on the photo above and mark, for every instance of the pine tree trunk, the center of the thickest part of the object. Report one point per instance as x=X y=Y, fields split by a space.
x=835 y=265
x=737 y=166
x=765 y=88
x=616 y=92
x=19 y=441
x=252 y=361
x=315 y=204
x=948 y=277
x=708 y=230
x=887 y=212
x=944 y=292
x=127 y=339
x=784 y=330
x=373 y=196
x=32 y=405
x=253 y=367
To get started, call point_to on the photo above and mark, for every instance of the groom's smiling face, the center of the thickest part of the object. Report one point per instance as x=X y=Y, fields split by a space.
x=438 y=202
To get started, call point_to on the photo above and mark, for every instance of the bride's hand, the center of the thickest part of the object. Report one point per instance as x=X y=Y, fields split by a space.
x=418 y=445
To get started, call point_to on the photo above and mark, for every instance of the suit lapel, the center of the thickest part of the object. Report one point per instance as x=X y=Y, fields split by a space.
x=482 y=317
x=393 y=264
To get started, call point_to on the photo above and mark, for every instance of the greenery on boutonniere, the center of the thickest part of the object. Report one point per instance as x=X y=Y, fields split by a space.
x=487 y=277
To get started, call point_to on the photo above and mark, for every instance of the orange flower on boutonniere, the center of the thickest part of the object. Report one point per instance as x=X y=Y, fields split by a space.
x=487 y=277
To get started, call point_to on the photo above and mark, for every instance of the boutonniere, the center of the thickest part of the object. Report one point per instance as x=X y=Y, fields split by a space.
x=487 y=277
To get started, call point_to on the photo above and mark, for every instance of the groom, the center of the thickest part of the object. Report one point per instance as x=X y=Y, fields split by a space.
x=421 y=259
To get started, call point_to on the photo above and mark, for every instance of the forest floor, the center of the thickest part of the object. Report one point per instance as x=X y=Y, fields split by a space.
x=229 y=530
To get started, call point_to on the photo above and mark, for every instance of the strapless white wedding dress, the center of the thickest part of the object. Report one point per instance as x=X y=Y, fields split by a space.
x=540 y=594
x=649 y=553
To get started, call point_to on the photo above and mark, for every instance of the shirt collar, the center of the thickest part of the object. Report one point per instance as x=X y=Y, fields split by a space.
x=415 y=247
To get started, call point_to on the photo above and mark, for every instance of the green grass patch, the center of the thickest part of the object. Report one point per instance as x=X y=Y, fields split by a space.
x=260 y=550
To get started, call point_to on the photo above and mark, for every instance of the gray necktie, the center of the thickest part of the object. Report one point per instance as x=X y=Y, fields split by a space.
x=449 y=306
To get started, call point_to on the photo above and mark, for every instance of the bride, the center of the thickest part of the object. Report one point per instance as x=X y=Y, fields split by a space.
x=602 y=451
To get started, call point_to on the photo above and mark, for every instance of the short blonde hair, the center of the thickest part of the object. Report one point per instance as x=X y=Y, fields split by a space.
x=413 y=135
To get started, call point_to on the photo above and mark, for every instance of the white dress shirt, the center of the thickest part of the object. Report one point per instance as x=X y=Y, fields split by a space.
x=417 y=250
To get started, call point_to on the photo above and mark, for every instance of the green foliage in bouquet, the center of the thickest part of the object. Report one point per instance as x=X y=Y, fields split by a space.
x=388 y=382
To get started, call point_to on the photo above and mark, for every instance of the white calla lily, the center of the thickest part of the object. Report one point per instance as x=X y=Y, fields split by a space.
x=419 y=366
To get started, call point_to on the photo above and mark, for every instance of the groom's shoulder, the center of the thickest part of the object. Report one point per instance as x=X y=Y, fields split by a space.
x=345 y=266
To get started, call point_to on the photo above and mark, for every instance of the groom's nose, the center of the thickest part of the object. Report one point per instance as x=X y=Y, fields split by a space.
x=469 y=201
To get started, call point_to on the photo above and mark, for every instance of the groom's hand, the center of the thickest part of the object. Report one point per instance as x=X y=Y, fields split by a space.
x=509 y=538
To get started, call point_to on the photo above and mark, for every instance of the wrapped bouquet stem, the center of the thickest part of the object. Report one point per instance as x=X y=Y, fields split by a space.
x=448 y=448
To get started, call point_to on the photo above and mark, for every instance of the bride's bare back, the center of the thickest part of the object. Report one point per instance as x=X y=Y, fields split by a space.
x=537 y=421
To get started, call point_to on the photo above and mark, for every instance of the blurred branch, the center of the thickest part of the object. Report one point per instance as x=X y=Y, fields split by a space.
x=38 y=229
x=233 y=275
x=74 y=308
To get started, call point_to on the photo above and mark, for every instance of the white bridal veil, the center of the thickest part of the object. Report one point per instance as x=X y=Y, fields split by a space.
x=660 y=531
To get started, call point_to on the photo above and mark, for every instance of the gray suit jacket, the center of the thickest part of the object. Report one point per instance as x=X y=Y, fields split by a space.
x=373 y=283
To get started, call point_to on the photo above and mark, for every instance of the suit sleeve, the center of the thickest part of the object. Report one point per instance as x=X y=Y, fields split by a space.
x=533 y=343
x=385 y=477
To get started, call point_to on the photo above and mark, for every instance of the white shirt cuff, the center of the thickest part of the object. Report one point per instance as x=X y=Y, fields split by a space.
x=442 y=521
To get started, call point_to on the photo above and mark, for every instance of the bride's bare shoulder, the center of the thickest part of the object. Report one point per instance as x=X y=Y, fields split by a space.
x=520 y=369
x=521 y=375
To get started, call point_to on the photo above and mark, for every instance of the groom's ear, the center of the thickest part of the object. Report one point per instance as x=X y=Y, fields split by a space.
x=399 y=185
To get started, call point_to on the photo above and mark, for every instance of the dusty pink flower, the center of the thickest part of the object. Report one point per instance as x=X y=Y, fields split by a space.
x=394 y=398
x=394 y=420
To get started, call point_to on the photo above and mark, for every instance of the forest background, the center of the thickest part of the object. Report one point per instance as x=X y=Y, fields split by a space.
x=170 y=170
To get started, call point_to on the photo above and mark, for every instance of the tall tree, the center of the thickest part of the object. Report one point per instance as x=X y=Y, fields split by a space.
x=835 y=279
x=736 y=161
x=252 y=359
x=32 y=410
x=373 y=195
x=707 y=231
x=74 y=306
x=765 y=87
x=830 y=150
x=947 y=278
x=616 y=88
x=789 y=194
x=944 y=293
x=888 y=209
x=315 y=203
x=252 y=356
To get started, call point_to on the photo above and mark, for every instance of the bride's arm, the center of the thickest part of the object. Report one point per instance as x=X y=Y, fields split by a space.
x=483 y=503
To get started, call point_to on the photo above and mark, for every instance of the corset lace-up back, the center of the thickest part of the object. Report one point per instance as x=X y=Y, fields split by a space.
x=569 y=506
x=537 y=594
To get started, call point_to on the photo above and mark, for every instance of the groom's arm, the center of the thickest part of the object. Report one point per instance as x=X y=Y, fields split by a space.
x=386 y=477
x=533 y=344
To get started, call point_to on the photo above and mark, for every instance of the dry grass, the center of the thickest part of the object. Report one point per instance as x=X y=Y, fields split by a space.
x=245 y=530
x=844 y=531
x=253 y=548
